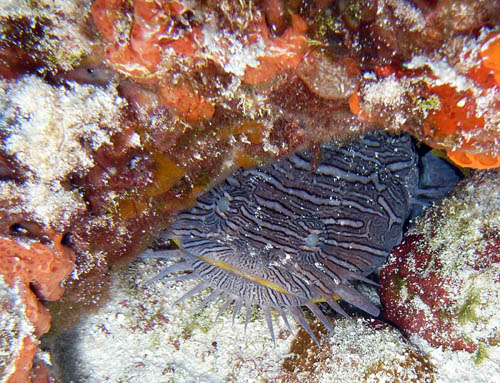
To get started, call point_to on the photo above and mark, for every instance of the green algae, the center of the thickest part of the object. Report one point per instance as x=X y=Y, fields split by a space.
x=155 y=342
x=428 y=104
x=200 y=320
x=481 y=354
x=399 y=282
x=354 y=10
x=467 y=312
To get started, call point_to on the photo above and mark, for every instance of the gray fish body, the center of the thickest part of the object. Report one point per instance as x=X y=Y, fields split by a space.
x=296 y=231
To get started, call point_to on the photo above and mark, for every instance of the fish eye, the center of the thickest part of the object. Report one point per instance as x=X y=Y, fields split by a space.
x=312 y=240
x=222 y=204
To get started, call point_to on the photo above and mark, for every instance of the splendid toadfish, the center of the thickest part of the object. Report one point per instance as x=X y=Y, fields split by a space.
x=299 y=230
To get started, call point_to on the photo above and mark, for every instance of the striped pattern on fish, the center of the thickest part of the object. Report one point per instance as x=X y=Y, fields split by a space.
x=298 y=231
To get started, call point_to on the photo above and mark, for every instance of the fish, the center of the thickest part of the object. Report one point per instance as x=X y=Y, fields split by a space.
x=298 y=231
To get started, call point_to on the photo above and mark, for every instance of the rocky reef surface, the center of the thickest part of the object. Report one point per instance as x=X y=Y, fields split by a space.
x=139 y=336
x=115 y=114
x=441 y=285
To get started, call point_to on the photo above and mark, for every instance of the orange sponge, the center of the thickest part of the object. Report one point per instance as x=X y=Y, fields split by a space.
x=355 y=107
x=490 y=55
x=281 y=53
x=30 y=271
x=476 y=161
x=40 y=268
x=186 y=102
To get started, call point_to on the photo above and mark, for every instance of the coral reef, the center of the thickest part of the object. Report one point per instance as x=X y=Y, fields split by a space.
x=115 y=114
x=28 y=272
x=443 y=282
x=46 y=35
x=448 y=100
x=50 y=135
x=162 y=35
x=200 y=61
x=357 y=351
